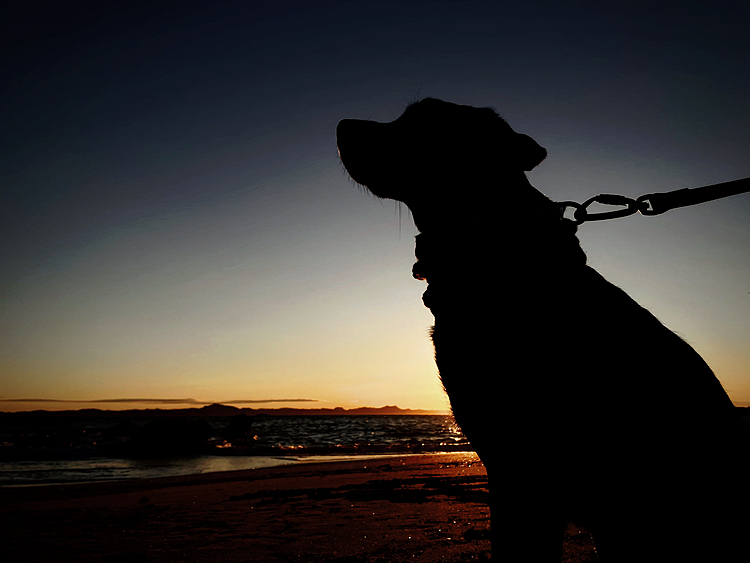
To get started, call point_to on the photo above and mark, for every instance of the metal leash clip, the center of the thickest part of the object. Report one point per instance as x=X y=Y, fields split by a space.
x=581 y=214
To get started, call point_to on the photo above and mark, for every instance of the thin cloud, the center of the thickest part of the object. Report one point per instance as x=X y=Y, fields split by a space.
x=160 y=401
x=251 y=401
x=93 y=401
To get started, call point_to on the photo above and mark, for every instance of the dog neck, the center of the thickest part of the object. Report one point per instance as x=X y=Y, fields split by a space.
x=535 y=247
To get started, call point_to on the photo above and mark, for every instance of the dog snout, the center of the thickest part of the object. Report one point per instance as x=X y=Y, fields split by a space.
x=344 y=131
x=360 y=143
x=529 y=152
x=362 y=134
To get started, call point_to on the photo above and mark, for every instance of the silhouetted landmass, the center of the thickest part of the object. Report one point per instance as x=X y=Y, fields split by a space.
x=221 y=410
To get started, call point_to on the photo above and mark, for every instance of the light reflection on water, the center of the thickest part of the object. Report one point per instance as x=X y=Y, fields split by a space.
x=274 y=440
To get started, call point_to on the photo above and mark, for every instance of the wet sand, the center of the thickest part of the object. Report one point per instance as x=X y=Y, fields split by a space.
x=424 y=508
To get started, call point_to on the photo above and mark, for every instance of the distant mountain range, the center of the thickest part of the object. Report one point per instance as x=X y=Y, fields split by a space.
x=225 y=410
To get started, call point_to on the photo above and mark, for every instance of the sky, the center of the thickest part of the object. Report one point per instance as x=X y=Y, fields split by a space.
x=177 y=229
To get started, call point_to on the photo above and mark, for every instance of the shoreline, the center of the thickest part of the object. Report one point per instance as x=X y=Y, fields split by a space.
x=181 y=467
x=283 y=475
x=417 y=508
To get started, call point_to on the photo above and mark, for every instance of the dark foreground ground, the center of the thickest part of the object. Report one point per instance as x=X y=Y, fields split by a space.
x=415 y=508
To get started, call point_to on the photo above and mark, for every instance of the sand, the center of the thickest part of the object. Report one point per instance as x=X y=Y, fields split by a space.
x=423 y=508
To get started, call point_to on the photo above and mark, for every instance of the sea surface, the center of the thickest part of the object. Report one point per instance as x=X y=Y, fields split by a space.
x=56 y=451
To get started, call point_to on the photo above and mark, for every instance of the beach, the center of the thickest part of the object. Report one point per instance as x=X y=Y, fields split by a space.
x=416 y=508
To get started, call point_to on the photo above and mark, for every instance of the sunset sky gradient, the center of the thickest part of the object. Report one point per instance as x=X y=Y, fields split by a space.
x=176 y=223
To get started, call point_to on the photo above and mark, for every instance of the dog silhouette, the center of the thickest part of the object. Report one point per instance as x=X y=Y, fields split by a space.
x=582 y=405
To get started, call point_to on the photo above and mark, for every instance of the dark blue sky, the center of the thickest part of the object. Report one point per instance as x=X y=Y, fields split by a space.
x=175 y=221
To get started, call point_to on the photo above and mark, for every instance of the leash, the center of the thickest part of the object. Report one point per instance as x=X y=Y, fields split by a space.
x=653 y=204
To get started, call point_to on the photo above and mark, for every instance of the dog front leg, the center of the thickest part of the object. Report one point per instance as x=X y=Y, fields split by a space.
x=527 y=523
x=526 y=508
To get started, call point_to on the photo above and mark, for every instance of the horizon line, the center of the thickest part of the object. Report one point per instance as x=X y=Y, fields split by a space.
x=203 y=405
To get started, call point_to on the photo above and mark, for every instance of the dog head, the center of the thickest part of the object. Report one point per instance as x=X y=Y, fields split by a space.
x=437 y=154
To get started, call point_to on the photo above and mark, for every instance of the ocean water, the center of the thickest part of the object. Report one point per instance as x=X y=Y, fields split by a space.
x=55 y=451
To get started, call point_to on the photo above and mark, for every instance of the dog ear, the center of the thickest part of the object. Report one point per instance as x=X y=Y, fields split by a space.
x=528 y=152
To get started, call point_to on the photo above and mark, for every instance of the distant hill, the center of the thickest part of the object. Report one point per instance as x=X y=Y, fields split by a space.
x=223 y=410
